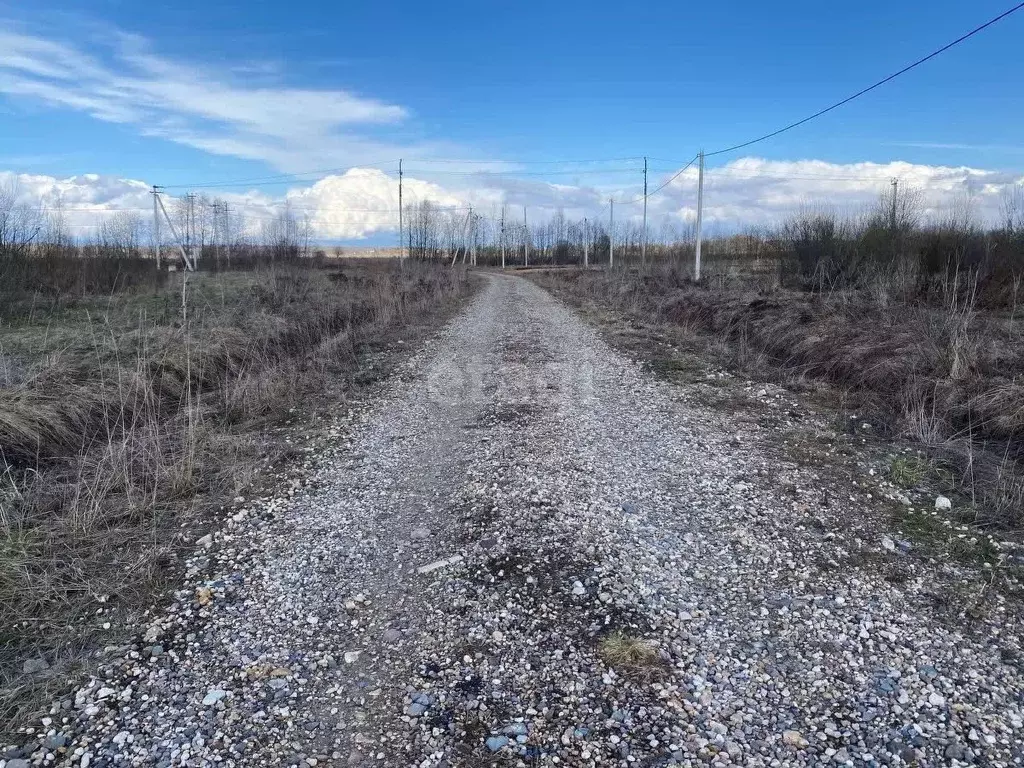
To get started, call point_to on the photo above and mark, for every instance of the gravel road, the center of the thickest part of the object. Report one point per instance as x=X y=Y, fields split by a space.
x=526 y=550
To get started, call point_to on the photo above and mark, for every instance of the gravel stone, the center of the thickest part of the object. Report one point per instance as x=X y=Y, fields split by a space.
x=749 y=583
x=495 y=743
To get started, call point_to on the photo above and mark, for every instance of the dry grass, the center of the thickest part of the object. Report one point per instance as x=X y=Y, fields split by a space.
x=907 y=471
x=939 y=370
x=121 y=424
x=624 y=651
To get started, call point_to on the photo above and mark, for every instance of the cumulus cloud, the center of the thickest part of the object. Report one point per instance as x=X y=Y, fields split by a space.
x=86 y=201
x=752 y=191
x=363 y=201
x=747 y=192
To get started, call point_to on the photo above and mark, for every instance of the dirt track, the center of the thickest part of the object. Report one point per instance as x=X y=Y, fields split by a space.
x=566 y=500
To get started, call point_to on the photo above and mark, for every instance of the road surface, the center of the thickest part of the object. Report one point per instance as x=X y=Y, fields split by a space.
x=464 y=577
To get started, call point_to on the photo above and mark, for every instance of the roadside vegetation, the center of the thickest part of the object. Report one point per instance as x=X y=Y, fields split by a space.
x=134 y=402
x=918 y=324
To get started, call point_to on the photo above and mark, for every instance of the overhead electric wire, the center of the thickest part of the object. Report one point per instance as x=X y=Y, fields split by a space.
x=295 y=177
x=872 y=87
x=525 y=162
x=674 y=176
x=742 y=174
x=286 y=177
x=573 y=172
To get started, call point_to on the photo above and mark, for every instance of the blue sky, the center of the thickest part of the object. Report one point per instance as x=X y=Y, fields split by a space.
x=196 y=92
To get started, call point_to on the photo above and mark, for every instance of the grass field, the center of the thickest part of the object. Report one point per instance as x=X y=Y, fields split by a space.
x=134 y=403
x=944 y=372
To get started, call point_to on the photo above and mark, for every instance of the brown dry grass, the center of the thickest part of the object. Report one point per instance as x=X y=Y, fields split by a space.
x=626 y=652
x=121 y=424
x=942 y=372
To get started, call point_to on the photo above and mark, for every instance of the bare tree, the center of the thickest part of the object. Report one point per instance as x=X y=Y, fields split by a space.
x=1012 y=205
x=282 y=235
x=20 y=223
x=57 y=237
x=425 y=231
x=122 y=234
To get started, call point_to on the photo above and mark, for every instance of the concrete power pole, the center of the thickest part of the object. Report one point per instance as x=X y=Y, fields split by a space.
x=503 y=237
x=227 y=231
x=611 y=233
x=401 y=240
x=185 y=256
x=700 y=218
x=892 y=213
x=526 y=240
x=586 y=235
x=190 y=225
x=215 y=234
x=643 y=243
x=472 y=233
x=156 y=223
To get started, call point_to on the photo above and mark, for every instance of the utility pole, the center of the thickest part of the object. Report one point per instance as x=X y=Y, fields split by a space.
x=156 y=223
x=700 y=218
x=472 y=233
x=526 y=240
x=502 y=236
x=227 y=231
x=190 y=224
x=465 y=241
x=586 y=235
x=611 y=233
x=643 y=243
x=215 y=235
x=189 y=265
x=892 y=214
x=401 y=240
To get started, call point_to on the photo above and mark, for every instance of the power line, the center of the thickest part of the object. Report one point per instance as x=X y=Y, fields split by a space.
x=529 y=162
x=674 y=176
x=743 y=174
x=281 y=178
x=881 y=82
x=572 y=172
x=285 y=178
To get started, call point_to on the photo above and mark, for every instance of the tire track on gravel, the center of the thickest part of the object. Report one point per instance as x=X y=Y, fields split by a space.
x=585 y=499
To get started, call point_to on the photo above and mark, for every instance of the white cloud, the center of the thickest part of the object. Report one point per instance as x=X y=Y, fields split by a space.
x=201 y=107
x=747 y=192
x=363 y=201
x=752 y=191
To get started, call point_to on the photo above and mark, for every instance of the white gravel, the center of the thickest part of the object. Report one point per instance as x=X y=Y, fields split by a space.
x=436 y=593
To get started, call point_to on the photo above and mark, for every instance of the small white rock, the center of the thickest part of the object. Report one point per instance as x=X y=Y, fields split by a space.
x=213 y=697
